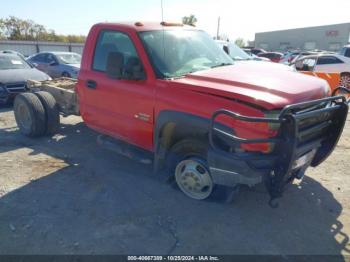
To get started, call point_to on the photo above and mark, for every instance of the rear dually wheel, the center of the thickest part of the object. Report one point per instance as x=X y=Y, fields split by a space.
x=30 y=115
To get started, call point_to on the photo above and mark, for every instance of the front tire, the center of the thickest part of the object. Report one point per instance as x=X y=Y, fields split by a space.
x=187 y=163
x=193 y=178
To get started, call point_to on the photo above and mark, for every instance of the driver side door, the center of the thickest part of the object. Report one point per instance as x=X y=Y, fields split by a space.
x=121 y=108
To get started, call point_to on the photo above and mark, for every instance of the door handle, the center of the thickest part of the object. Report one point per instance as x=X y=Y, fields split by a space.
x=91 y=84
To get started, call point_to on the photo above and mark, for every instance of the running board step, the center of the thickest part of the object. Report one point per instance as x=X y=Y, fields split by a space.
x=125 y=149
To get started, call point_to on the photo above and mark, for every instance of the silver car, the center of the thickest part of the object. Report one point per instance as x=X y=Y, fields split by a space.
x=14 y=74
x=57 y=64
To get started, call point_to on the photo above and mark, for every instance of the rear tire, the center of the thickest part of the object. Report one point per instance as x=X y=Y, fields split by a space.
x=30 y=115
x=51 y=110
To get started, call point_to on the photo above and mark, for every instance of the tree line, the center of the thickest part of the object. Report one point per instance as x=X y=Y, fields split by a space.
x=13 y=28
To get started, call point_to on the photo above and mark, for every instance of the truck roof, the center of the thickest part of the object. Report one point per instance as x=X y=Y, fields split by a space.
x=146 y=26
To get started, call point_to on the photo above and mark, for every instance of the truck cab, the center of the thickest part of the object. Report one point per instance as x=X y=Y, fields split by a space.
x=170 y=91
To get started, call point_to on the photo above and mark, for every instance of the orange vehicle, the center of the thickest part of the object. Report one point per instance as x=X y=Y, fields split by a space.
x=333 y=80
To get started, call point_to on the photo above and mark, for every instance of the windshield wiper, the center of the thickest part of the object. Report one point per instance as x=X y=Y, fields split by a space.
x=222 y=64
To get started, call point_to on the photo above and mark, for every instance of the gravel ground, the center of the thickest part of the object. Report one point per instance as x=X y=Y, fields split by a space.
x=65 y=195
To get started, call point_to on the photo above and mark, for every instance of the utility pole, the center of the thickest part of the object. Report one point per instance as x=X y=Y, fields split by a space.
x=218 y=30
x=161 y=7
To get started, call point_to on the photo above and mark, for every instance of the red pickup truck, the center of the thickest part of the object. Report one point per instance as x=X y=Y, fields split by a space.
x=168 y=94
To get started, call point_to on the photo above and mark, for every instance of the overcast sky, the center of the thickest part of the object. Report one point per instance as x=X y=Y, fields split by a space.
x=238 y=18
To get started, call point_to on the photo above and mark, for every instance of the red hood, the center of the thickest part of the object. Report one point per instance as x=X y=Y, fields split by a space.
x=271 y=87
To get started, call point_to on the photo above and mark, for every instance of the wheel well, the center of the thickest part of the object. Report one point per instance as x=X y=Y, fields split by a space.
x=172 y=133
x=345 y=73
x=173 y=127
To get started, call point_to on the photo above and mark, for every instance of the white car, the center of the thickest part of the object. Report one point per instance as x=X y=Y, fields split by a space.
x=326 y=63
x=240 y=56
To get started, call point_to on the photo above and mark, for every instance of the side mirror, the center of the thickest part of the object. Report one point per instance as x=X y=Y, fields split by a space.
x=53 y=63
x=115 y=63
x=134 y=69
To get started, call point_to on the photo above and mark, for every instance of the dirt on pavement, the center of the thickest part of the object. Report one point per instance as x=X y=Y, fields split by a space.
x=66 y=195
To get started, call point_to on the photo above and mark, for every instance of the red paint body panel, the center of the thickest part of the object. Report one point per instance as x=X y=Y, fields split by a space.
x=112 y=107
x=271 y=88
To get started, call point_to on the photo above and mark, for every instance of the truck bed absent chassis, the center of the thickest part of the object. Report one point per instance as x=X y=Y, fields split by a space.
x=63 y=90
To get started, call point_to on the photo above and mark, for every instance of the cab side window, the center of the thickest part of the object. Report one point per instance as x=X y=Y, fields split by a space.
x=112 y=42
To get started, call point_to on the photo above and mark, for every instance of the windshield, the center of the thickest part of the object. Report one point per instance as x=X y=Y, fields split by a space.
x=69 y=58
x=175 y=53
x=237 y=53
x=13 y=62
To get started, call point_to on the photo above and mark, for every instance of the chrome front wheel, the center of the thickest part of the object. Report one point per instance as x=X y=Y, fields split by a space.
x=193 y=178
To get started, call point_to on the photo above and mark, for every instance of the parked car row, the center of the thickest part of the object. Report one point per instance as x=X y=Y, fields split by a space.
x=240 y=56
x=316 y=61
x=326 y=63
x=16 y=70
x=57 y=64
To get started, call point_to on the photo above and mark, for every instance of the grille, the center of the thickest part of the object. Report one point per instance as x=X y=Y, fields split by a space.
x=16 y=88
x=316 y=127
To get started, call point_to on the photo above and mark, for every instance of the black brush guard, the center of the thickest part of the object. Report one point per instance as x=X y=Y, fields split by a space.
x=313 y=126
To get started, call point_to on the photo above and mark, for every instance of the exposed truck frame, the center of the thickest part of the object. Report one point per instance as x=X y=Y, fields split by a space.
x=63 y=90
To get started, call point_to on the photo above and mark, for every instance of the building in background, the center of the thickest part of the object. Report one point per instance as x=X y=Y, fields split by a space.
x=328 y=37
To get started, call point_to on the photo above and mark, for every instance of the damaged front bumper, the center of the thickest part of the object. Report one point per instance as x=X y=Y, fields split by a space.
x=308 y=134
